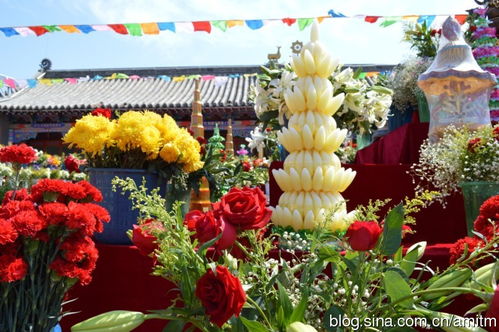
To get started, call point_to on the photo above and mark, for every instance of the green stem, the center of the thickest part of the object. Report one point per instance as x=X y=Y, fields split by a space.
x=257 y=307
x=194 y=322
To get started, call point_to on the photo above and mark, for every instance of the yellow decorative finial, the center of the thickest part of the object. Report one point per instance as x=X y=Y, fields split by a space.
x=229 y=141
x=197 y=112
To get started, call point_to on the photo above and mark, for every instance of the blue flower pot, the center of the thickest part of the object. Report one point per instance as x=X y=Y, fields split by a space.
x=118 y=205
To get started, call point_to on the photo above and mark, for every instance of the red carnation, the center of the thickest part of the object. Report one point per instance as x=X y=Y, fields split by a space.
x=20 y=154
x=12 y=268
x=54 y=213
x=143 y=236
x=72 y=164
x=11 y=208
x=244 y=208
x=80 y=218
x=28 y=222
x=77 y=248
x=8 y=233
x=20 y=195
x=473 y=144
x=92 y=193
x=106 y=112
x=101 y=215
x=51 y=190
x=457 y=250
x=363 y=235
x=221 y=294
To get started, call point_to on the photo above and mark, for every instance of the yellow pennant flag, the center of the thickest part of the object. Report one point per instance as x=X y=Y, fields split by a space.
x=69 y=28
x=150 y=28
x=233 y=23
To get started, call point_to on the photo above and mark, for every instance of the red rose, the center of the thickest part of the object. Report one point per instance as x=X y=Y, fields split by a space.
x=245 y=208
x=246 y=166
x=221 y=294
x=495 y=133
x=21 y=154
x=191 y=218
x=473 y=144
x=433 y=32
x=363 y=235
x=103 y=112
x=493 y=311
x=143 y=238
x=208 y=226
x=72 y=164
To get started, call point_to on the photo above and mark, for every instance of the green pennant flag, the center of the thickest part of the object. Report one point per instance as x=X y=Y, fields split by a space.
x=1 y=83
x=389 y=20
x=193 y=77
x=52 y=28
x=57 y=80
x=121 y=75
x=134 y=29
x=222 y=25
x=363 y=75
x=304 y=22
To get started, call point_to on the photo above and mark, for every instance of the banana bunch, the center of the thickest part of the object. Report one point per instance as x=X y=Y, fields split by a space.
x=312 y=178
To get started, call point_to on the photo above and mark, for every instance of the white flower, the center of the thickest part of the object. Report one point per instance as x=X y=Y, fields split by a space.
x=257 y=141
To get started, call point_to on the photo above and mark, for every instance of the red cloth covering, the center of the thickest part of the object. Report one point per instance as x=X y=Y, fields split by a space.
x=401 y=146
x=122 y=280
x=434 y=224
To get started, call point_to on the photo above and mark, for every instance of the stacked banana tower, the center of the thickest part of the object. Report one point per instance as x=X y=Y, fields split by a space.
x=312 y=178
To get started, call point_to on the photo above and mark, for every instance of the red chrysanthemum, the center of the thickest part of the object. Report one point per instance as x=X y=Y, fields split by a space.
x=103 y=112
x=28 y=222
x=21 y=154
x=55 y=213
x=20 y=195
x=92 y=193
x=8 y=233
x=457 y=250
x=474 y=143
x=12 y=268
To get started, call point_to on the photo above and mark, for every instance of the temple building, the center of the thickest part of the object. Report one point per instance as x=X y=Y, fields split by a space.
x=42 y=111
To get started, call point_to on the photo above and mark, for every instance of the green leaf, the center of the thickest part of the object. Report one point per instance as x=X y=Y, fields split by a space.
x=397 y=288
x=392 y=231
x=299 y=311
x=414 y=253
x=174 y=326
x=333 y=315
x=267 y=116
x=478 y=308
x=253 y=326
x=202 y=249
x=285 y=303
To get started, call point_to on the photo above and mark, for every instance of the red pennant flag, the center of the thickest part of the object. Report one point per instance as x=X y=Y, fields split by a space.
x=289 y=21
x=39 y=30
x=202 y=26
x=461 y=18
x=371 y=19
x=119 y=28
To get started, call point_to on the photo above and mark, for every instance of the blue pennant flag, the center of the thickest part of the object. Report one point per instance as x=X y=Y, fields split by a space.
x=332 y=13
x=9 y=32
x=426 y=18
x=166 y=26
x=254 y=24
x=84 y=28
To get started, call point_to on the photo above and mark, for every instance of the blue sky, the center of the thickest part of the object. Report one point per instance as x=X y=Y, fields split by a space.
x=351 y=40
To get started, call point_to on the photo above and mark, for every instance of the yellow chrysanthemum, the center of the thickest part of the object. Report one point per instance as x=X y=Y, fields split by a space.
x=90 y=133
x=136 y=130
x=189 y=148
x=169 y=153
x=168 y=128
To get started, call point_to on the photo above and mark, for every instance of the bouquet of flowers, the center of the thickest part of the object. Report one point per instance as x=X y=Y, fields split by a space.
x=423 y=39
x=138 y=140
x=45 y=245
x=231 y=277
x=461 y=155
x=366 y=105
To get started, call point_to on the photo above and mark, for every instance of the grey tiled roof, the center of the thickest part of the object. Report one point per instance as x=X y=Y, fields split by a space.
x=152 y=93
